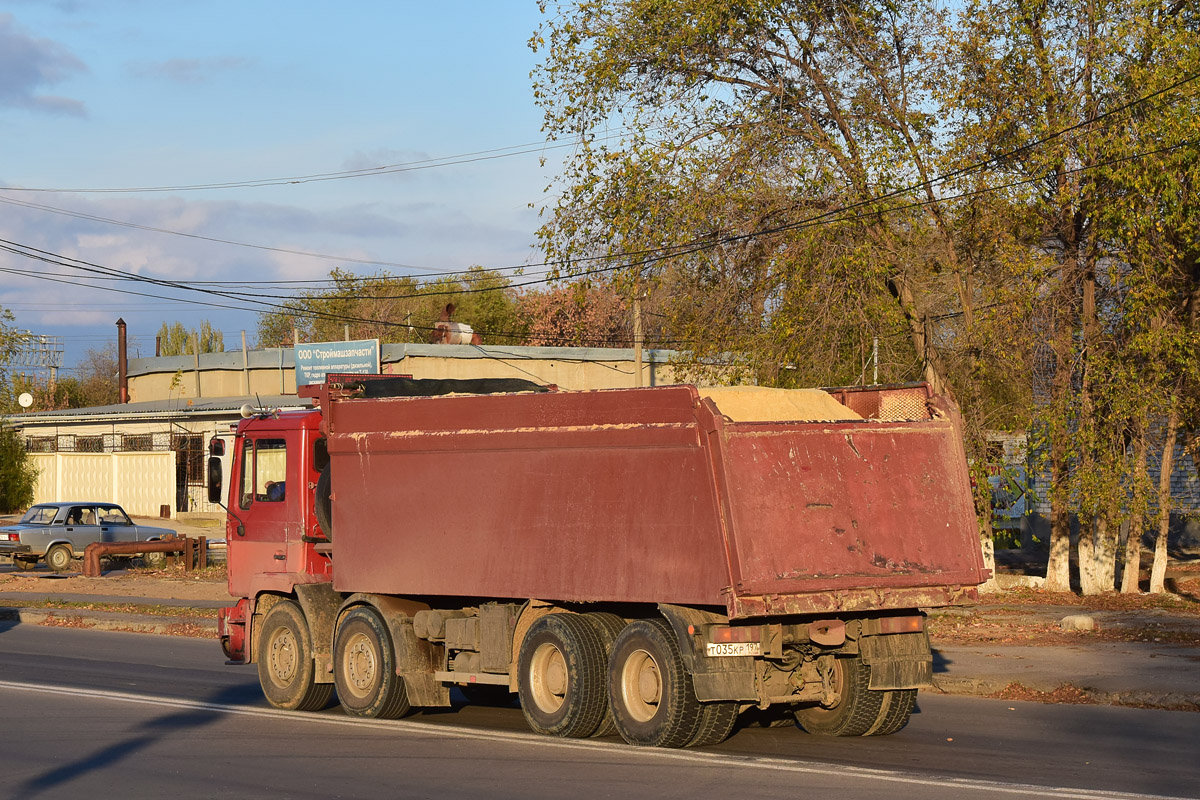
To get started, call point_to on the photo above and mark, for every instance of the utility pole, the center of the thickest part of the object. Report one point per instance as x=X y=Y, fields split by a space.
x=637 y=340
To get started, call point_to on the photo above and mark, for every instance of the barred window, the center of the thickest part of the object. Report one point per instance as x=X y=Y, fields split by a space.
x=89 y=444
x=137 y=442
x=41 y=444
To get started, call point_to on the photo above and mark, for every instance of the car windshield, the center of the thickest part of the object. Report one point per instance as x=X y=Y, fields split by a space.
x=113 y=516
x=39 y=515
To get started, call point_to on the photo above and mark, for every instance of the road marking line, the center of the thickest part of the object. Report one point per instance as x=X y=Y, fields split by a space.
x=707 y=759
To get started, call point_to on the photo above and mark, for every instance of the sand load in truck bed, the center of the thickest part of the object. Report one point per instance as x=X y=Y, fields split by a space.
x=761 y=404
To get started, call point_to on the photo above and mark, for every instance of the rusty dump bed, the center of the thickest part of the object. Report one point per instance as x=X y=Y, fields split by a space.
x=653 y=495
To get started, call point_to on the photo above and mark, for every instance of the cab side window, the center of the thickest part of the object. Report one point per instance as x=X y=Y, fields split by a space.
x=264 y=470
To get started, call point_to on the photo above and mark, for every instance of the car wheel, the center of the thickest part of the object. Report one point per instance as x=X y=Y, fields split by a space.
x=24 y=564
x=59 y=558
x=155 y=560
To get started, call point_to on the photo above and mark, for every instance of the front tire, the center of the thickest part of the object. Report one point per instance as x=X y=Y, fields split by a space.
x=285 y=661
x=561 y=676
x=59 y=558
x=650 y=690
x=364 y=668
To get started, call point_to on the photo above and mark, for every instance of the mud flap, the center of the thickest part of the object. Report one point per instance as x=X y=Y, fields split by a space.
x=728 y=678
x=898 y=660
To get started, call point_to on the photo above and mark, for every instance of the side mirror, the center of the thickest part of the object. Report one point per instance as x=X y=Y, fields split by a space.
x=215 y=479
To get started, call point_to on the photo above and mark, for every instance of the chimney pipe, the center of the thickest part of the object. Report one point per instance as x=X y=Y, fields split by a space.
x=122 y=364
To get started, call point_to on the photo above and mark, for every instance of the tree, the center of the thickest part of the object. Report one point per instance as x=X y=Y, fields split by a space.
x=394 y=309
x=773 y=183
x=579 y=314
x=175 y=340
x=17 y=474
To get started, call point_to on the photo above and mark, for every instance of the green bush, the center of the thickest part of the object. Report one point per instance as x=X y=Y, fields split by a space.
x=17 y=473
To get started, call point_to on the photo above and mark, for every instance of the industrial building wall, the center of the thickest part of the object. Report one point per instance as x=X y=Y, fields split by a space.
x=142 y=483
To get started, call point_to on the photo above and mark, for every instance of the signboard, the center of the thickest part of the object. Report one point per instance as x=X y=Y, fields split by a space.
x=314 y=360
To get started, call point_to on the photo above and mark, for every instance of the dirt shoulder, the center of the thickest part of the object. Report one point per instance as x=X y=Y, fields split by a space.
x=170 y=584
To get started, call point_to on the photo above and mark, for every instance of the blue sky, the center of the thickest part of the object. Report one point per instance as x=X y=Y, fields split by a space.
x=130 y=93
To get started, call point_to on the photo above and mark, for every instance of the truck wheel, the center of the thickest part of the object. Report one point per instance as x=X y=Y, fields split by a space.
x=364 y=668
x=285 y=661
x=610 y=627
x=716 y=723
x=855 y=709
x=894 y=713
x=561 y=678
x=323 y=503
x=651 y=692
x=59 y=557
x=155 y=560
x=24 y=564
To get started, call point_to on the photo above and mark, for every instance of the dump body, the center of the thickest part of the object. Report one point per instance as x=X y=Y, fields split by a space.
x=650 y=496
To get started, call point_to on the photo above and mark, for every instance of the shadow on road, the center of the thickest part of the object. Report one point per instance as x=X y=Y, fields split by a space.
x=129 y=749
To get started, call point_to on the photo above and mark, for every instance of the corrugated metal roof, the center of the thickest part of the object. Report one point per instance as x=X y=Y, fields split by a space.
x=283 y=358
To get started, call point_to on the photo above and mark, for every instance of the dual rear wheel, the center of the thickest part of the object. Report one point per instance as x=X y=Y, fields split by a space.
x=590 y=674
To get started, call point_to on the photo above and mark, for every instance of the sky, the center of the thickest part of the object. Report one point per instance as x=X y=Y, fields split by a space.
x=104 y=95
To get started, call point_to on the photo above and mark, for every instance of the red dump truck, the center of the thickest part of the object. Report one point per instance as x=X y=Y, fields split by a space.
x=650 y=562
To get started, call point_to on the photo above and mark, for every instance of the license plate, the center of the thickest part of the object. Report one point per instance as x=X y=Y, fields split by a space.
x=734 y=648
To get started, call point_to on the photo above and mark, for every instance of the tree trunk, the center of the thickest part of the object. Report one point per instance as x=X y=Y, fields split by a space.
x=1086 y=550
x=1137 y=519
x=988 y=543
x=1158 y=572
x=1058 y=567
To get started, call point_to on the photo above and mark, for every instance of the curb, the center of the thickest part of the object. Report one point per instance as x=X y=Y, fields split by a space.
x=985 y=687
x=194 y=627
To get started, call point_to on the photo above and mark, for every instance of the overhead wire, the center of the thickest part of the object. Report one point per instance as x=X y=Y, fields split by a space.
x=654 y=255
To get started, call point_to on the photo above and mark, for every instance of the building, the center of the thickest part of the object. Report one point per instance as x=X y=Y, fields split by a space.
x=149 y=454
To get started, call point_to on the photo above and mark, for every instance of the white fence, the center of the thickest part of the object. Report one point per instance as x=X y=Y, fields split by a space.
x=140 y=482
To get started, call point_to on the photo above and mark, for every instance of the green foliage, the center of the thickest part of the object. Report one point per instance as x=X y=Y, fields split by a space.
x=18 y=476
x=175 y=340
x=764 y=169
x=394 y=309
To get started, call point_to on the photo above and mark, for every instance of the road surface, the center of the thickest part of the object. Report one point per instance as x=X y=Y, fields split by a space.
x=150 y=716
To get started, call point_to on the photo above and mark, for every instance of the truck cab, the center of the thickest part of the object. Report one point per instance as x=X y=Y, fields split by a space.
x=272 y=529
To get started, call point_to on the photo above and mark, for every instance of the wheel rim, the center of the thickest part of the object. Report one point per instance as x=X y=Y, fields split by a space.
x=641 y=686
x=837 y=683
x=548 y=678
x=361 y=663
x=283 y=658
x=59 y=559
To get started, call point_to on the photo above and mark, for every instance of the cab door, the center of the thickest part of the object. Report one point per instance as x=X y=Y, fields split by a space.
x=263 y=487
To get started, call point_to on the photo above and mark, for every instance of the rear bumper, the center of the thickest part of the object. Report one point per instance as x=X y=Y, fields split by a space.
x=848 y=600
x=13 y=548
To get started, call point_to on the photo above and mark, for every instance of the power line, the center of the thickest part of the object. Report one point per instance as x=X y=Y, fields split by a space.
x=364 y=172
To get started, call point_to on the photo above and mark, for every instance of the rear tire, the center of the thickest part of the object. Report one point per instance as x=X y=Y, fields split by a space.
x=285 y=661
x=561 y=676
x=59 y=558
x=716 y=723
x=856 y=708
x=897 y=707
x=609 y=626
x=364 y=668
x=653 y=701
x=24 y=564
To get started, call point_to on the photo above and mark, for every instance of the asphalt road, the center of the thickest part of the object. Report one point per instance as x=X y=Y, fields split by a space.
x=99 y=713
